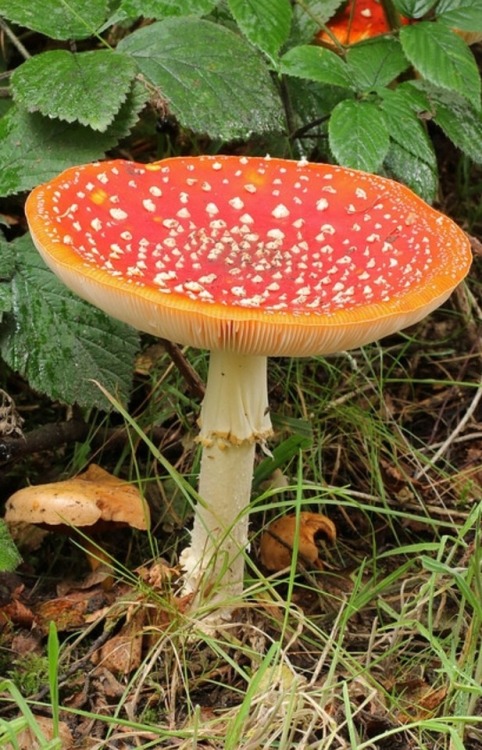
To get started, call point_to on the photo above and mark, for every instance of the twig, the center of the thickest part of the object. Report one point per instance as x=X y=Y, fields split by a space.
x=448 y=442
x=55 y=435
x=14 y=39
x=193 y=381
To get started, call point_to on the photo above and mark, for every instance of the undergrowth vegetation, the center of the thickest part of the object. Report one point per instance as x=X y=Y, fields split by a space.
x=382 y=647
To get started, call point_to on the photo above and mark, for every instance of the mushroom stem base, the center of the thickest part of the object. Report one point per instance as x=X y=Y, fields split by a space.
x=234 y=417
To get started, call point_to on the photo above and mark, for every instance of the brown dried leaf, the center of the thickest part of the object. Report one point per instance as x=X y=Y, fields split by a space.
x=419 y=700
x=122 y=653
x=278 y=541
x=16 y=613
x=26 y=740
x=70 y=612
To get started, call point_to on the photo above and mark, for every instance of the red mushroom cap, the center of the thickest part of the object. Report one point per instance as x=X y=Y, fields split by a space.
x=255 y=255
x=356 y=21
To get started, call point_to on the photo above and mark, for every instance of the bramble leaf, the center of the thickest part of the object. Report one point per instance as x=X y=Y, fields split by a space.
x=7 y=270
x=61 y=343
x=405 y=127
x=164 y=8
x=442 y=58
x=316 y=64
x=87 y=87
x=266 y=23
x=375 y=63
x=461 y=14
x=459 y=121
x=34 y=148
x=358 y=135
x=76 y=19
x=414 y=8
x=9 y=555
x=213 y=80
x=402 y=164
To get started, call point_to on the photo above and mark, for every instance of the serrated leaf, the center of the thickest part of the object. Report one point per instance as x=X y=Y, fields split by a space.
x=165 y=8
x=213 y=80
x=406 y=167
x=442 y=58
x=87 y=87
x=376 y=63
x=406 y=128
x=467 y=16
x=414 y=8
x=33 y=148
x=358 y=135
x=7 y=270
x=59 y=342
x=266 y=23
x=58 y=19
x=316 y=64
x=459 y=121
x=461 y=14
x=9 y=555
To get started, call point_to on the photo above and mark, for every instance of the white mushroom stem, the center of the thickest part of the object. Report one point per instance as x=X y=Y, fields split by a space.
x=234 y=416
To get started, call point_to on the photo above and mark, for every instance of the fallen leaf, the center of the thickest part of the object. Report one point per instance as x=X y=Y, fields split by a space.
x=418 y=700
x=27 y=740
x=122 y=653
x=278 y=541
x=70 y=612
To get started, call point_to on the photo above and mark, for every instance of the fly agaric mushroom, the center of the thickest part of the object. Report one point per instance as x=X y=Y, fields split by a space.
x=247 y=257
x=357 y=21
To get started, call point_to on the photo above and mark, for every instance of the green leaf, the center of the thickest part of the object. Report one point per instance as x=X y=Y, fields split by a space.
x=213 y=80
x=59 y=342
x=414 y=8
x=403 y=165
x=33 y=148
x=459 y=121
x=7 y=270
x=376 y=63
x=461 y=14
x=316 y=64
x=88 y=87
x=59 y=19
x=266 y=23
x=405 y=127
x=9 y=555
x=442 y=58
x=164 y=8
x=358 y=135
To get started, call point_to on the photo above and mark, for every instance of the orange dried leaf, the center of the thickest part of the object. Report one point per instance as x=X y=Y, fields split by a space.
x=278 y=541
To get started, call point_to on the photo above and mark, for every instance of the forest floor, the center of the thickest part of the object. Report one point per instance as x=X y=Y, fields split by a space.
x=380 y=649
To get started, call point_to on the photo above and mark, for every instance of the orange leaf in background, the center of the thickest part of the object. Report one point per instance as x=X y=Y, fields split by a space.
x=278 y=541
x=418 y=699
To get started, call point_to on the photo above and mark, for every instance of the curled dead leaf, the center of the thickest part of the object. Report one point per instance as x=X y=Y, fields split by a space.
x=278 y=541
